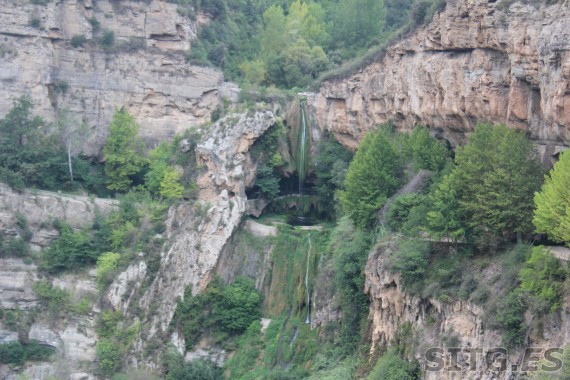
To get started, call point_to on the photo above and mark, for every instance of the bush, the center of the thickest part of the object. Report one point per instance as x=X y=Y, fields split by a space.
x=106 y=265
x=71 y=250
x=401 y=210
x=227 y=309
x=78 y=40
x=108 y=357
x=510 y=319
x=391 y=367
x=201 y=369
x=108 y=39
x=16 y=354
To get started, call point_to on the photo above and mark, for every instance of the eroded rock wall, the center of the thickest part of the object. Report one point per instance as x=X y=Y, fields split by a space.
x=474 y=62
x=144 y=71
x=433 y=321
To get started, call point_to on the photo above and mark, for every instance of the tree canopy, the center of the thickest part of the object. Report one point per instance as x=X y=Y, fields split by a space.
x=552 y=214
x=490 y=190
x=123 y=152
x=374 y=174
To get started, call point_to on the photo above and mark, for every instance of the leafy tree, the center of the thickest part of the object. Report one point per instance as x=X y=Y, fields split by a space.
x=446 y=219
x=170 y=186
x=542 y=278
x=123 y=152
x=374 y=174
x=497 y=174
x=552 y=214
x=355 y=22
x=426 y=152
x=26 y=152
x=493 y=182
x=239 y=306
x=411 y=260
x=268 y=182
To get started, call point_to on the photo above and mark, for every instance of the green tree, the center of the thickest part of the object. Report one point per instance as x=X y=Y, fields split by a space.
x=71 y=250
x=374 y=174
x=123 y=152
x=497 y=174
x=170 y=186
x=27 y=154
x=426 y=152
x=356 y=22
x=552 y=214
x=542 y=278
x=493 y=183
x=446 y=219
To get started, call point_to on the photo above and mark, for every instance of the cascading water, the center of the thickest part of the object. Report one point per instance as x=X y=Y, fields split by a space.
x=302 y=163
x=308 y=318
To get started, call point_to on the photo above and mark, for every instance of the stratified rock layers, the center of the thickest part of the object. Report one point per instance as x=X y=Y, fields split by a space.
x=144 y=70
x=473 y=62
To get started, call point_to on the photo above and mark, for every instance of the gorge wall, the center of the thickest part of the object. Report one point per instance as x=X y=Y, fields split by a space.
x=144 y=70
x=478 y=60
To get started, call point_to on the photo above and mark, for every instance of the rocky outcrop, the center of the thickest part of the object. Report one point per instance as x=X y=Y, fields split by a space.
x=197 y=233
x=435 y=323
x=474 y=62
x=16 y=280
x=144 y=71
x=40 y=208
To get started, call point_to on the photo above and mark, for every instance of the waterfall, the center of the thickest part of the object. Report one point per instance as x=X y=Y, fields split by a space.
x=302 y=163
x=308 y=319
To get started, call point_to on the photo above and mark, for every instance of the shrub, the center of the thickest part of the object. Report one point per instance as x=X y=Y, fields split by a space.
x=227 y=309
x=201 y=369
x=391 y=367
x=78 y=40
x=71 y=250
x=401 y=209
x=108 y=39
x=108 y=357
x=95 y=24
x=16 y=353
x=510 y=319
x=106 y=265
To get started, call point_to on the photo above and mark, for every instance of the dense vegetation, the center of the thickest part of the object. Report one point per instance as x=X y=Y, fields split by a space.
x=289 y=43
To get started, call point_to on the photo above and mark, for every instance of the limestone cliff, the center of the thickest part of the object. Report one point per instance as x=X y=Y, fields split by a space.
x=196 y=233
x=474 y=62
x=144 y=70
x=434 y=321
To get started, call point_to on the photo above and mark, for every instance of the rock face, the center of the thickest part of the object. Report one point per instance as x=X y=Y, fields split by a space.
x=144 y=71
x=198 y=232
x=433 y=322
x=40 y=208
x=473 y=62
